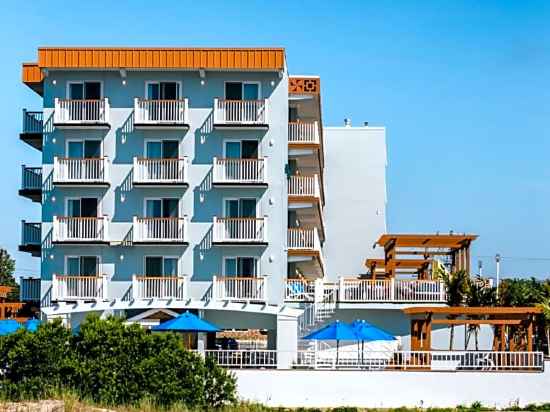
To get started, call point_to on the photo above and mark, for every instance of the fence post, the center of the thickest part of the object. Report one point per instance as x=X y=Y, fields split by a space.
x=341 y=292
x=392 y=289
x=55 y=285
x=216 y=120
x=442 y=292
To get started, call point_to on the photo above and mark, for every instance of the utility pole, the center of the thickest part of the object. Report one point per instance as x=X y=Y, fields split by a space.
x=480 y=268
x=497 y=261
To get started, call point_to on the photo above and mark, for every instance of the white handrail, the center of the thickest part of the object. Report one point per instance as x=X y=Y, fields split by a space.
x=81 y=111
x=160 y=170
x=391 y=290
x=67 y=228
x=159 y=287
x=299 y=185
x=161 y=111
x=303 y=132
x=160 y=229
x=240 y=170
x=240 y=229
x=239 y=288
x=78 y=170
x=241 y=111
x=76 y=287
x=299 y=238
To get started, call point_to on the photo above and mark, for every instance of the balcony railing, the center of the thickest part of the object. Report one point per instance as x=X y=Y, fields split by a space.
x=392 y=290
x=29 y=289
x=239 y=288
x=303 y=239
x=304 y=186
x=159 y=287
x=303 y=132
x=160 y=229
x=241 y=112
x=81 y=112
x=161 y=112
x=76 y=170
x=76 y=287
x=80 y=229
x=240 y=229
x=33 y=122
x=240 y=171
x=160 y=171
x=31 y=233
x=31 y=178
x=301 y=290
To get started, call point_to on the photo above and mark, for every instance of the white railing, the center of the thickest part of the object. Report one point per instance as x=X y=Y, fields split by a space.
x=159 y=287
x=31 y=233
x=33 y=122
x=76 y=170
x=250 y=112
x=167 y=112
x=368 y=360
x=80 y=229
x=303 y=132
x=240 y=229
x=160 y=229
x=304 y=186
x=81 y=111
x=300 y=290
x=29 y=289
x=303 y=239
x=75 y=287
x=240 y=170
x=160 y=170
x=31 y=178
x=239 y=288
x=391 y=290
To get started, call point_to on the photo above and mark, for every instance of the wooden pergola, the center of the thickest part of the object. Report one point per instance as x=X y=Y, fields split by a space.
x=502 y=318
x=402 y=251
x=8 y=309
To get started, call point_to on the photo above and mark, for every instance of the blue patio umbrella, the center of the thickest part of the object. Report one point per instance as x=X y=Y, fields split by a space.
x=186 y=322
x=32 y=324
x=9 y=326
x=335 y=331
x=369 y=333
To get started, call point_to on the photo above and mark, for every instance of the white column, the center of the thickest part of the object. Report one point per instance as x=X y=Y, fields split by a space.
x=287 y=341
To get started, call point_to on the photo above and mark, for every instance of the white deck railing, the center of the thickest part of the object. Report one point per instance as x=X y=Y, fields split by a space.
x=161 y=112
x=391 y=290
x=236 y=112
x=29 y=289
x=76 y=170
x=160 y=170
x=159 y=287
x=160 y=229
x=74 y=287
x=81 y=112
x=300 y=290
x=80 y=229
x=33 y=122
x=31 y=178
x=303 y=239
x=303 y=132
x=239 y=288
x=304 y=186
x=240 y=170
x=240 y=229
x=31 y=233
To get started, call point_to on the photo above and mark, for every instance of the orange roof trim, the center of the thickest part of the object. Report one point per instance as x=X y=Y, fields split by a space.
x=31 y=73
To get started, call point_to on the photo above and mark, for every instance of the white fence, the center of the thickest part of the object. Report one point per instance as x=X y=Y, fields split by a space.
x=80 y=229
x=75 y=170
x=392 y=290
x=303 y=239
x=235 y=112
x=79 y=287
x=33 y=122
x=303 y=132
x=240 y=170
x=160 y=170
x=69 y=111
x=31 y=233
x=29 y=289
x=240 y=229
x=304 y=186
x=239 y=288
x=160 y=229
x=31 y=178
x=159 y=287
x=161 y=112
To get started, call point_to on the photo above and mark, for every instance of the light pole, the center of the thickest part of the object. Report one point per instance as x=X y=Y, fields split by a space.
x=497 y=261
x=480 y=268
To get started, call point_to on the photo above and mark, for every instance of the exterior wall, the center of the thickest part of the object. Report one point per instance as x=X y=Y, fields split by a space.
x=324 y=389
x=355 y=190
x=200 y=202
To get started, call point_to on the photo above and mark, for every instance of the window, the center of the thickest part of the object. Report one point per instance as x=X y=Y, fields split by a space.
x=238 y=208
x=162 y=149
x=292 y=114
x=240 y=266
x=161 y=207
x=243 y=149
x=84 y=149
x=82 y=207
x=161 y=266
x=242 y=90
x=82 y=266
x=163 y=90
x=84 y=90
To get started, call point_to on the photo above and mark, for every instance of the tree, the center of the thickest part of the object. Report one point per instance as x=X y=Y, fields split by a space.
x=545 y=307
x=7 y=269
x=478 y=294
x=456 y=285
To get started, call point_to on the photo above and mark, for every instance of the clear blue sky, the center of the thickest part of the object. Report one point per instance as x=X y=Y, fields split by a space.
x=463 y=88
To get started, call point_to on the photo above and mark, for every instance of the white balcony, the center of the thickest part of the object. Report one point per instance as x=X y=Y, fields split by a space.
x=71 y=113
x=155 y=172
x=301 y=290
x=160 y=230
x=240 y=230
x=71 y=288
x=159 y=287
x=29 y=289
x=81 y=229
x=161 y=114
x=304 y=239
x=247 y=172
x=239 y=289
x=304 y=186
x=252 y=114
x=305 y=133
x=391 y=290
x=304 y=249
x=77 y=171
